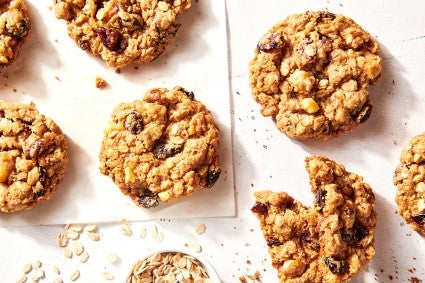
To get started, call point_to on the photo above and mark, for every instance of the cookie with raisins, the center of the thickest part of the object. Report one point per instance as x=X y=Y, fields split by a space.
x=122 y=32
x=409 y=178
x=161 y=148
x=33 y=156
x=311 y=73
x=14 y=28
x=329 y=242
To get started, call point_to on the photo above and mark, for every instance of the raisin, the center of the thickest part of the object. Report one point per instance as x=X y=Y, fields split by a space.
x=36 y=149
x=148 y=200
x=42 y=176
x=358 y=233
x=320 y=198
x=336 y=266
x=260 y=208
x=212 y=177
x=40 y=193
x=273 y=242
x=327 y=15
x=163 y=150
x=307 y=238
x=188 y=93
x=112 y=39
x=271 y=43
x=83 y=44
x=419 y=218
x=364 y=114
x=134 y=123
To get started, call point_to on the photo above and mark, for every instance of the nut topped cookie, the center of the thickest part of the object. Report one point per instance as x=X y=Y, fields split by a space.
x=122 y=31
x=14 y=27
x=311 y=73
x=161 y=148
x=409 y=178
x=329 y=242
x=33 y=156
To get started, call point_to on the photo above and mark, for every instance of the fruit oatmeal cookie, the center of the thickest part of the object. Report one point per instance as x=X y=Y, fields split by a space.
x=33 y=156
x=161 y=148
x=311 y=73
x=14 y=27
x=329 y=242
x=122 y=31
x=409 y=178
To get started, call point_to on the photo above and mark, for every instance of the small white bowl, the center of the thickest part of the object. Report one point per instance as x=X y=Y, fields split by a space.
x=208 y=267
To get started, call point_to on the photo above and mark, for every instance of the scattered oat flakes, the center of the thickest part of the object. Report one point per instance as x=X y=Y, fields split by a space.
x=84 y=257
x=78 y=248
x=200 y=229
x=112 y=258
x=37 y=274
x=58 y=280
x=159 y=236
x=126 y=230
x=37 y=264
x=108 y=275
x=22 y=279
x=56 y=270
x=143 y=233
x=100 y=82
x=27 y=268
x=67 y=252
x=194 y=247
x=62 y=240
x=93 y=235
x=90 y=227
x=154 y=232
x=71 y=234
x=75 y=275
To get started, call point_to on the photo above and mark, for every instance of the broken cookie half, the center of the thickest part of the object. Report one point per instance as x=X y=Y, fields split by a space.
x=331 y=241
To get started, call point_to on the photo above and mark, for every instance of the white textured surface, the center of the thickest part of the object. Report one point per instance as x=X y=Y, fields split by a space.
x=60 y=78
x=266 y=159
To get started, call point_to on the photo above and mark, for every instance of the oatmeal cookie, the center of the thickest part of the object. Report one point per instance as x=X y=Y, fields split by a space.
x=14 y=27
x=311 y=73
x=329 y=242
x=162 y=147
x=409 y=178
x=122 y=31
x=33 y=156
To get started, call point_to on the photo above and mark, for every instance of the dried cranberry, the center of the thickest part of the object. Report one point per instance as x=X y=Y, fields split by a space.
x=320 y=198
x=273 y=242
x=336 y=266
x=189 y=94
x=163 y=150
x=112 y=39
x=148 y=200
x=363 y=114
x=271 y=43
x=212 y=177
x=35 y=149
x=134 y=123
x=419 y=218
x=260 y=208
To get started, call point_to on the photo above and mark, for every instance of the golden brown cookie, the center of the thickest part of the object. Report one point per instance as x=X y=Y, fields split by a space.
x=14 y=27
x=161 y=148
x=122 y=31
x=33 y=156
x=329 y=242
x=409 y=178
x=311 y=73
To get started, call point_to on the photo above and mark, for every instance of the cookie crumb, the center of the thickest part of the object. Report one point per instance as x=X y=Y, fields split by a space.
x=100 y=82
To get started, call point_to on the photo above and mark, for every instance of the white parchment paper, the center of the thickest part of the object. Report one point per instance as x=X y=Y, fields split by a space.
x=60 y=78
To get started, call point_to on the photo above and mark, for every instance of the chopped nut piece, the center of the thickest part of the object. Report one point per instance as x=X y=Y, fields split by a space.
x=100 y=82
x=27 y=268
x=108 y=275
x=200 y=229
x=309 y=105
x=75 y=275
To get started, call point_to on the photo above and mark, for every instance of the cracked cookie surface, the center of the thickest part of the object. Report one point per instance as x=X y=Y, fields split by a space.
x=329 y=242
x=33 y=156
x=311 y=73
x=409 y=178
x=122 y=31
x=14 y=27
x=161 y=148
